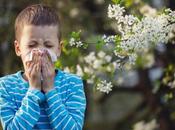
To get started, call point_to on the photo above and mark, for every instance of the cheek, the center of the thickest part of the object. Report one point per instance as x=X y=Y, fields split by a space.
x=23 y=60
x=25 y=52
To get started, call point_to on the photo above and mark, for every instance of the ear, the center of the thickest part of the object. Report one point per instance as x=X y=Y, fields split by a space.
x=17 y=48
x=60 y=48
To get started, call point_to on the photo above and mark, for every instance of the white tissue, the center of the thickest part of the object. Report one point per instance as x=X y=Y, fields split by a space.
x=29 y=56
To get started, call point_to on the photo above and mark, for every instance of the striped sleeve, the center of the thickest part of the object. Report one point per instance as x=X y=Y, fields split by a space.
x=68 y=115
x=25 y=117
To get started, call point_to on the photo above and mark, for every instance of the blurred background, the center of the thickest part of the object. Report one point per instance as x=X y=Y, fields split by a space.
x=145 y=98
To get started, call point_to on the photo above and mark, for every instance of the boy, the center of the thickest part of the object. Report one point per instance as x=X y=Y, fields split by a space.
x=40 y=97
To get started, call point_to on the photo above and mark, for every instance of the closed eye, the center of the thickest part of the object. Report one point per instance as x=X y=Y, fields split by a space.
x=49 y=46
x=32 y=44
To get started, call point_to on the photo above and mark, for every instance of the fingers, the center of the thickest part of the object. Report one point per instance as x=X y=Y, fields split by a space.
x=37 y=62
x=34 y=69
x=49 y=59
x=30 y=67
x=37 y=67
x=44 y=70
x=35 y=56
x=34 y=66
x=43 y=65
x=47 y=66
x=48 y=72
x=47 y=56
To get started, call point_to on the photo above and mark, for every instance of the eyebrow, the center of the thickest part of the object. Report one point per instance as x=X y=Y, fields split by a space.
x=31 y=41
x=35 y=40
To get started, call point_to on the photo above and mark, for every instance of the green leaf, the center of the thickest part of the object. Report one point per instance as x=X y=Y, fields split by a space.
x=58 y=64
x=128 y=3
x=118 y=39
x=140 y=61
x=76 y=35
x=116 y=1
x=85 y=45
x=99 y=44
x=65 y=50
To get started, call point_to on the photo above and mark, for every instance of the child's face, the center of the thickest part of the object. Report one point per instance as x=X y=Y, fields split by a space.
x=39 y=37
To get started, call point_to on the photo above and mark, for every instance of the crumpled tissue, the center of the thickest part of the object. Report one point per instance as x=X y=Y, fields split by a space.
x=53 y=56
x=29 y=56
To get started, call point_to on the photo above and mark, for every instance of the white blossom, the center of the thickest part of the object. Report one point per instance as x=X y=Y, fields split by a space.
x=108 y=58
x=139 y=34
x=97 y=63
x=132 y=58
x=91 y=80
x=149 y=60
x=172 y=84
x=171 y=13
x=130 y=20
x=109 y=39
x=152 y=125
x=104 y=86
x=88 y=70
x=66 y=69
x=115 y=11
x=73 y=42
x=90 y=58
x=79 y=71
x=139 y=126
x=116 y=65
x=118 y=54
x=108 y=69
x=101 y=54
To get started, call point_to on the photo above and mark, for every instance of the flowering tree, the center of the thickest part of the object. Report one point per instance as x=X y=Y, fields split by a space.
x=131 y=47
x=136 y=37
x=130 y=44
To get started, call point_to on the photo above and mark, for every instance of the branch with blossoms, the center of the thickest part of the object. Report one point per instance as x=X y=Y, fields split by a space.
x=136 y=37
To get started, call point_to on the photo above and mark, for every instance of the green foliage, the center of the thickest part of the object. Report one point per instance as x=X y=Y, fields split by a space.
x=129 y=3
x=117 y=43
x=117 y=1
x=100 y=44
x=58 y=64
x=76 y=35
x=168 y=97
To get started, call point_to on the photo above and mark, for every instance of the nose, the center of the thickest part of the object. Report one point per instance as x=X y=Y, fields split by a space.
x=41 y=43
x=41 y=50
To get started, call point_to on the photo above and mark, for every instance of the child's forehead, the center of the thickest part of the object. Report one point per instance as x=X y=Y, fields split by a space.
x=38 y=30
x=40 y=27
x=39 y=33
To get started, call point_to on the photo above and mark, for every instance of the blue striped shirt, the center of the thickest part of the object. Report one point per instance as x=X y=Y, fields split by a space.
x=22 y=108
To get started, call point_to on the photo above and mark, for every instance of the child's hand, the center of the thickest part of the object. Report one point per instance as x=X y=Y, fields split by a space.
x=48 y=72
x=33 y=71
